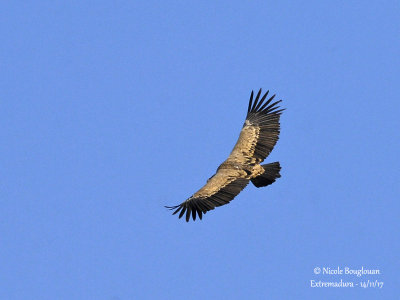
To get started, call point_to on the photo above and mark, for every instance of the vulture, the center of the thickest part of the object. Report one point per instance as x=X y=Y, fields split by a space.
x=257 y=138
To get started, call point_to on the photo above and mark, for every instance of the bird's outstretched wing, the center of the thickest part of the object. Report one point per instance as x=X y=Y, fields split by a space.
x=260 y=131
x=219 y=190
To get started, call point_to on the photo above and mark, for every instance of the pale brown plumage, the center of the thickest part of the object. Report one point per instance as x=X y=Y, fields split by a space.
x=258 y=137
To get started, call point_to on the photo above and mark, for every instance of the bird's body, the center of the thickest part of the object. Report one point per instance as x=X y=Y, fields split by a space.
x=257 y=138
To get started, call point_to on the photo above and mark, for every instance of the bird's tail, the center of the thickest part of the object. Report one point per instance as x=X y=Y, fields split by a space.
x=269 y=176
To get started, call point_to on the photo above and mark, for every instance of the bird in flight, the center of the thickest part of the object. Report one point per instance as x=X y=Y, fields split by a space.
x=257 y=138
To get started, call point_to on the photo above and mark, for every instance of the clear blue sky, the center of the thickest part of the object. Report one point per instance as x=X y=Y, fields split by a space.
x=110 y=110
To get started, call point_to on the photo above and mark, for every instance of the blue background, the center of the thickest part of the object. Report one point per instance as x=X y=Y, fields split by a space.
x=111 y=110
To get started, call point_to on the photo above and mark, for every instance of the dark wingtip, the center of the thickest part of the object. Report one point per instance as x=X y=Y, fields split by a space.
x=272 y=108
x=188 y=212
x=258 y=104
x=258 y=95
x=257 y=108
x=182 y=212
x=251 y=108
x=250 y=101
x=191 y=211
x=194 y=214
x=171 y=207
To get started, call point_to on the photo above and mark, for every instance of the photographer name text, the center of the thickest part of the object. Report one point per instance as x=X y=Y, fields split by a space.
x=346 y=271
